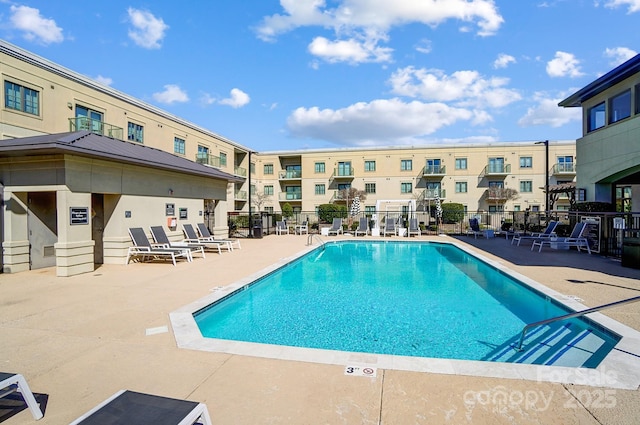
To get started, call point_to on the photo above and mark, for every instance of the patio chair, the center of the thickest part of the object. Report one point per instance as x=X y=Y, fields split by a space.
x=205 y=235
x=414 y=228
x=14 y=382
x=548 y=232
x=574 y=239
x=363 y=227
x=161 y=238
x=192 y=237
x=302 y=228
x=389 y=226
x=130 y=407
x=336 y=227
x=143 y=249
x=282 y=228
x=474 y=228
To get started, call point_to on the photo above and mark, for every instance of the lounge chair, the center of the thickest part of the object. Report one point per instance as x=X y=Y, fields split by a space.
x=205 y=234
x=363 y=227
x=282 y=228
x=130 y=407
x=548 y=232
x=474 y=228
x=302 y=228
x=389 y=226
x=192 y=237
x=143 y=249
x=161 y=238
x=336 y=227
x=575 y=239
x=14 y=382
x=414 y=228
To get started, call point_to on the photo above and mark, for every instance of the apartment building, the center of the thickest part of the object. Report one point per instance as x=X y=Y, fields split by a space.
x=609 y=149
x=476 y=176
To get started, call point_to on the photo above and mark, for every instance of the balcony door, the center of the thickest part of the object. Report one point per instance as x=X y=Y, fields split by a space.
x=88 y=119
x=344 y=168
x=496 y=165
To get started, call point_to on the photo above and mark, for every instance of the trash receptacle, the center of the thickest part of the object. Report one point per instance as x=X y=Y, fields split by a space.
x=631 y=252
x=257 y=232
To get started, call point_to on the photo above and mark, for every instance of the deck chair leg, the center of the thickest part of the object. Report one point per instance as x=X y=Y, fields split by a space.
x=24 y=389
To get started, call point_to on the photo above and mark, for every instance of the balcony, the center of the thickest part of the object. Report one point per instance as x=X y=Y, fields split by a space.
x=96 y=126
x=290 y=196
x=437 y=171
x=341 y=174
x=565 y=169
x=206 y=159
x=432 y=194
x=496 y=170
x=240 y=171
x=499 y=194
x=290 y=175
x=240 y=195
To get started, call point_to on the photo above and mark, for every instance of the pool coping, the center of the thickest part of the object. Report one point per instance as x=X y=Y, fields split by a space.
x=619 y=369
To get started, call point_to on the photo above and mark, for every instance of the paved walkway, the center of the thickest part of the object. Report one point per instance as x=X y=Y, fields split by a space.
x=78 y=340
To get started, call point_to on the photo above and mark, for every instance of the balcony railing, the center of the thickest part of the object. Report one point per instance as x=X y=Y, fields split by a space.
x=496 y=170
x=96 y=126
x=433 y=170
x=240 y=171
x=499 y=194
x=290 y=196
x=290 y=175
x=432 y=194
x=240 y=195
x=565 y=168
x=206 y=159
x=342 y=172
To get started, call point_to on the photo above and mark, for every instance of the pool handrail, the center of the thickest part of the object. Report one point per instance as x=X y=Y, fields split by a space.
x=310 y=239
x=571 y=316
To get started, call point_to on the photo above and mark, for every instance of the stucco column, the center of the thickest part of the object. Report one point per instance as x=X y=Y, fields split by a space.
x=74 y=249
x=221 y=229
x=15 y=245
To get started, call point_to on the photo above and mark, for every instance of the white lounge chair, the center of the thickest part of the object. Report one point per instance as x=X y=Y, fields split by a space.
x=414 y=228
x=548 y=232
x=143 y=249
x=575 y=239
x=130 y=407
x=282 y=228
x=206 y=236
x=14 y=382
x=336 y=227
x=161 y=239
x=363 y=227
x=192 y=237
x=302 y=228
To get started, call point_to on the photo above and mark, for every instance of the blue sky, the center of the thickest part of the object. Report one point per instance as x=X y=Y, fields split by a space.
x=293 y=74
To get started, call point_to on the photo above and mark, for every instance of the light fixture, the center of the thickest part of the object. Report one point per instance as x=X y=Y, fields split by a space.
x=170 y=191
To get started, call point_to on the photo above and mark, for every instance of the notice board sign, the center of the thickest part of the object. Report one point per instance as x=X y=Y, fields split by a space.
x=78 y=215
x=592 y=232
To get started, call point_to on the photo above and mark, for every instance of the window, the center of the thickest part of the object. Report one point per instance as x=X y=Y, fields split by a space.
x=88 y=119
x=268 y=210
x=620 y=107
x=406 y=187
x=496 y=208
x=433 y=166
x=252 y=168
x=343 y=186
x=369 y=166
x=516 y=208
x=203 y=153
x=526 y=186
x=526 y=162
x=319 y=168
x=268 y=168
x=21 y=98
x=595 y=117
x=223 y=159
x=495 y=184
x=496 y=165
x=268 y=190
x=252 y=189
x=344 y=169
x=135 y=132
x=637 y=99
x=461 y=187
x=406 y=165
x=369 y=209
x=565 y=164
x=370 y=188
x=320 y=189
x=178 y=145
x=461 y=163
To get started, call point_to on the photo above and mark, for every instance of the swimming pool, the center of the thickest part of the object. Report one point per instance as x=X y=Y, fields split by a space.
x=395 y=309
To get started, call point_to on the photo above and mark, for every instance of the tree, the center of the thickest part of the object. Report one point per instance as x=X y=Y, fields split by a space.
x=346 y=195
x=287 y=210
x=258 y=199
x=500 y=195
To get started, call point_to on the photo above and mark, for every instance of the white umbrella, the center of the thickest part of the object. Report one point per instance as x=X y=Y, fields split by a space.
x=355 y=206
x=438 y=207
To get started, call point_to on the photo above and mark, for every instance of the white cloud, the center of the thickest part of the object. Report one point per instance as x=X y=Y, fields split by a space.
x=34 y=26
x=237 y=99
x=369 y=22
x=383 y=121
x=564 y=65
x=104 y=80
x=147 y=30
x=619 y=55
x=424 y=46
x=634 y=5
x=503 y=60
x=171 y=94
x=464 y=88
x=547 y=112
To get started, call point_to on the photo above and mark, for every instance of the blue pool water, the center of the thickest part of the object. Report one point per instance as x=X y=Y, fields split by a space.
x=411 y=299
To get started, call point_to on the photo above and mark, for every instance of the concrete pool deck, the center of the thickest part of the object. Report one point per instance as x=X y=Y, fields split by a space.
x=78 y=340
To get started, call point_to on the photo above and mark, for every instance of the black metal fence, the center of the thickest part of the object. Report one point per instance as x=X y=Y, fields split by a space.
x=605 y=231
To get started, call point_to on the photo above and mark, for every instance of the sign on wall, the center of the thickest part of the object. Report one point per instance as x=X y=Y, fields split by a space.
x=169 y=209
x=78 y=215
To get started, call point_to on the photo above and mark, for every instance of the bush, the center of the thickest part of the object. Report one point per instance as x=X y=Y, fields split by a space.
x=287 y=210
x=327 y=212
x=593 y=207
x=452 y=213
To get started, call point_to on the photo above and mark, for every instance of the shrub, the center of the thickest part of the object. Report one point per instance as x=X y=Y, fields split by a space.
x=452 y=212
x=287 y=210
x=593 y=207
x=327 y=212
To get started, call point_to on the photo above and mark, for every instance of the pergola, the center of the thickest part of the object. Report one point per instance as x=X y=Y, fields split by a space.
x=556 y=190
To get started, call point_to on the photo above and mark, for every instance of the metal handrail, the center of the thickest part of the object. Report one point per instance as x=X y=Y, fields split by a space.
x=310 y=239
x=571 y=316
